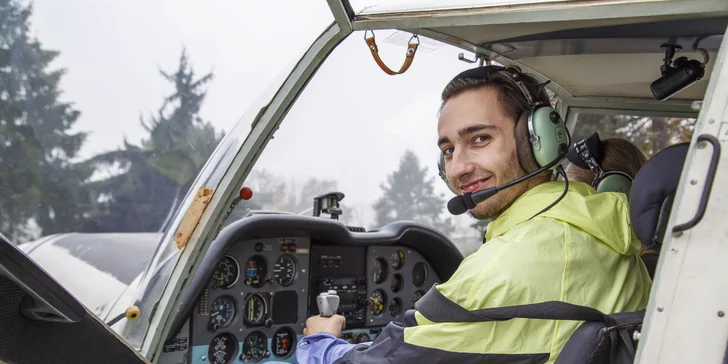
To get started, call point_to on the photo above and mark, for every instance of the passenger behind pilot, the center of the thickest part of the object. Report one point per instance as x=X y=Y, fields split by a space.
x=611 y=155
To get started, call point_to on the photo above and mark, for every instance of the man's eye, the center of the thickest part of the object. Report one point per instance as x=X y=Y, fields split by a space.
x=447 y=151
x=482 y=138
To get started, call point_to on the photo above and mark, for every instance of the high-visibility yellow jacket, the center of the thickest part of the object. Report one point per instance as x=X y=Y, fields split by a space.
x=581 y=251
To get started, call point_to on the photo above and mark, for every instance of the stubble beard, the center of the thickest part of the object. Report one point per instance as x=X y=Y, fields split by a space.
x=496 y=205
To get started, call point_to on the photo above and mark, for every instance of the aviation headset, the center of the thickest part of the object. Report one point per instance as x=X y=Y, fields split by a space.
x=589 y=154
x=540 y=125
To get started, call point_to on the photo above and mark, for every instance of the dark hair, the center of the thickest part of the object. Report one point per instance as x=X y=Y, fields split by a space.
x=510 y=97
x=511 y=100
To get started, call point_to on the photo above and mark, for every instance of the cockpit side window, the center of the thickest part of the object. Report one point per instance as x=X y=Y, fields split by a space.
x=650 y=134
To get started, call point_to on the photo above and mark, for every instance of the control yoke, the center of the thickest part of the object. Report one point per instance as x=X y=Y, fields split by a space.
x=328 y=303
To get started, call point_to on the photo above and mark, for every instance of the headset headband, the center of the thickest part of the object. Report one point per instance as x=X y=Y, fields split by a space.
x=582 y=149
x=512 y=73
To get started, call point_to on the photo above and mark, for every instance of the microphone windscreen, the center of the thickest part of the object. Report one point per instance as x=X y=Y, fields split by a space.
x=456 y=205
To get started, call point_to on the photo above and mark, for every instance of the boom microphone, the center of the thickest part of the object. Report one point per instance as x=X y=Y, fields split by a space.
x=467 y=201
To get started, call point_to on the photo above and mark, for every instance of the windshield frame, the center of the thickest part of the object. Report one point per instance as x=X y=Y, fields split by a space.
x=228 y=179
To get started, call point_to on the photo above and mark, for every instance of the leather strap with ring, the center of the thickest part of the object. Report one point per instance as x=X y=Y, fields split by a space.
x=411 y=50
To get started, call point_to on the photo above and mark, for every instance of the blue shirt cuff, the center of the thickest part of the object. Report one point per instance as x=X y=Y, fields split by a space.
x=321 y=348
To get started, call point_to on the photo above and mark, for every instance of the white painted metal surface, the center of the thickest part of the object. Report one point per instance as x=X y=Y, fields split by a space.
x=686 y=319
x=618 y=10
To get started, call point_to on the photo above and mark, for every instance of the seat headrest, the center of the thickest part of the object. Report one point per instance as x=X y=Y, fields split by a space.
x=653 y=191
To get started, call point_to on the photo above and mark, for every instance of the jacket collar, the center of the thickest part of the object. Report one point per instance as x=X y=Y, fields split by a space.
x=524 y=207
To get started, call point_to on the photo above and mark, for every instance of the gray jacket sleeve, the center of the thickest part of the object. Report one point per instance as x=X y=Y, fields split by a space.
x=390 y=347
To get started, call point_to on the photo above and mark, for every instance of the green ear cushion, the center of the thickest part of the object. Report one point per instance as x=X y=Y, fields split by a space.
x=616 y=182
x=550 y=132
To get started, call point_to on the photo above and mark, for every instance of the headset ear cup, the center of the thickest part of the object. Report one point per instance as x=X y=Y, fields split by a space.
x=551 y=135
x=524 y=149
x=615 y=182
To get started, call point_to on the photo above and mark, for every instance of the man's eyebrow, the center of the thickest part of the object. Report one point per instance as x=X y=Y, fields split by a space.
x=474 y=128
x=466 y=131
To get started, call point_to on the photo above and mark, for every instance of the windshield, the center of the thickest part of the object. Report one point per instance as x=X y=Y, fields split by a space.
x=353 y=129
x=369 y=135
x=108 y=114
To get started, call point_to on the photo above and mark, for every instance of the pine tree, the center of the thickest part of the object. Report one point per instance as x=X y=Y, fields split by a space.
x=160 y=171
x=38 y=180
x=409 y=195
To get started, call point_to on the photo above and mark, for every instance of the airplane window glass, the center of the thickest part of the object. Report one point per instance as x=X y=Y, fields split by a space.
x=107 y=116
x=649 y=134
x=369 y=135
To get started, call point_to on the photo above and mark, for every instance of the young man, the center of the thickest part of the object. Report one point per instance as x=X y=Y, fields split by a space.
x=579 y=250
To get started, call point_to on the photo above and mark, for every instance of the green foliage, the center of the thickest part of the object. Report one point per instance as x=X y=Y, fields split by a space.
x=649 y=134
x=409 y=195
x=38 y=180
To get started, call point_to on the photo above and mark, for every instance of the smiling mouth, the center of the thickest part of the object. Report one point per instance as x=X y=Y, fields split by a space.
x=475 y=186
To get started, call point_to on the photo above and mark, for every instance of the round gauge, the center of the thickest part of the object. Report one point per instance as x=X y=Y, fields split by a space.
x=256 y=309
x=379 y=270
x=395 y=307
x=226 y=273
x=255 y=271
x=397 y=259
x=283 y=342
x=222 y=312
x=222 y=349
x=417 y=297
x=284 y=270
x=419 y=274
x=376 y=302
x=255 y=347
x=396 y=282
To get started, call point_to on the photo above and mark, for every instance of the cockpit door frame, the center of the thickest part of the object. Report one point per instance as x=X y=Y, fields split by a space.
x=686 y=319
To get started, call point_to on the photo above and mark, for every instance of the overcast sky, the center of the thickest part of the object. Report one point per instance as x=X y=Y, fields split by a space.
x=351 y=117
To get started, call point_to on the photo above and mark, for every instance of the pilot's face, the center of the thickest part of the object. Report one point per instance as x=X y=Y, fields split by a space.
x=478 y=142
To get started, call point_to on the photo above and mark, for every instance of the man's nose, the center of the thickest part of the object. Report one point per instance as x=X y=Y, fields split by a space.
x=461 y=164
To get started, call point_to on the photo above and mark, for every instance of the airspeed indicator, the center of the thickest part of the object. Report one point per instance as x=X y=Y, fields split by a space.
x=284 y=270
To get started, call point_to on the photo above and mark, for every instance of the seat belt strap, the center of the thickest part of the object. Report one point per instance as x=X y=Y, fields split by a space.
x=437 y=308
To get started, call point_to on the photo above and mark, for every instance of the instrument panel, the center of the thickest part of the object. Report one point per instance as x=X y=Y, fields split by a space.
x=255 y=294
x=262 y=291
x=255 y=304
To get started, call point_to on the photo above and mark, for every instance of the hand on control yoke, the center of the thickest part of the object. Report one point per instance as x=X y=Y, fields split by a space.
x=328 y=303
x=327 y=321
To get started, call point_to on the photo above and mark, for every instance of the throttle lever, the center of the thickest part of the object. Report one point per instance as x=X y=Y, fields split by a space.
x=328 y=303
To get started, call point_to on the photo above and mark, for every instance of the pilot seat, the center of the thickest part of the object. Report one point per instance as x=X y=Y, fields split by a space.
x=653 y=192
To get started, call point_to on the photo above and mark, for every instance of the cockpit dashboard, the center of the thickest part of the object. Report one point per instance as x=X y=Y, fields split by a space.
x=258 y=283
